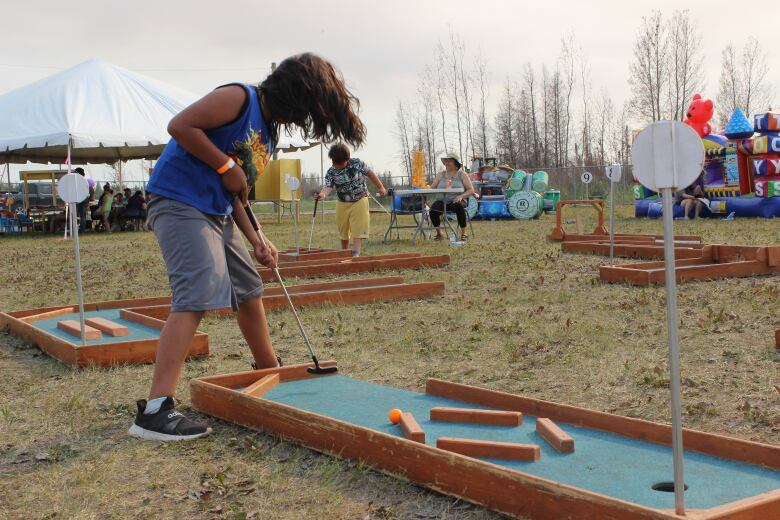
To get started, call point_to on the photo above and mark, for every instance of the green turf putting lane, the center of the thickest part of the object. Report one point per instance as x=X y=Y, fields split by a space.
x=137 y=330
x=604 y=463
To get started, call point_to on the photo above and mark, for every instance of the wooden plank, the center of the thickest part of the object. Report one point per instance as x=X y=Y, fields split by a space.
x=246 y=378
x=52 y=345
x=411 y=428
x=760 y=507
x=350 y=260
x=49 y=314
x=262 y=385
x=356 y=296
x=711 y=444
x=628 y=250
x=495 y=487
x=554 y=435
x=490 y=449
x=356 y=267
x=108 y=326
x=475 y=416
x=777 y=339
x=133 y=352
x=73 y=328
x=136 y=317
x=290 y=256
x=623 y=274
x=335 y=284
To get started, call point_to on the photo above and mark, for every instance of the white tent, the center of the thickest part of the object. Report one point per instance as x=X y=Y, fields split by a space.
x=108 y=113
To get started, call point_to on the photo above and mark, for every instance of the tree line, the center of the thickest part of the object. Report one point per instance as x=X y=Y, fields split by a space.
x=552 y=115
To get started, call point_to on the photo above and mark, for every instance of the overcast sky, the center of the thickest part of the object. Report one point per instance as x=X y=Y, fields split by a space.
x=381 y=47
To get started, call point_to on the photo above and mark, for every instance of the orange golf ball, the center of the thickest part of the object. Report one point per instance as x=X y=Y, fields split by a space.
x=394 y=415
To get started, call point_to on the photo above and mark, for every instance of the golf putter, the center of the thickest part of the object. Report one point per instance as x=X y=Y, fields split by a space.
x=318 y=370
x=313 y=218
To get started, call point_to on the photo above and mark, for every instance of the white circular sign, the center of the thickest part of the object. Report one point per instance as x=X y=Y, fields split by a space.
x=292 y=182
x=667 y=154
x=73 y=188
x=587 y=177
x=614 y=172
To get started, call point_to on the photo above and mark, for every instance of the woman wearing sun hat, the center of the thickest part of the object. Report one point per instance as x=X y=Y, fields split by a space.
x=453 y=176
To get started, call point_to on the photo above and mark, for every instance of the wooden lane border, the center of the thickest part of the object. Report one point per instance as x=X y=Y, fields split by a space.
x=684 y=240
x=708 y=443
x=356 y=267
x=350 y=260
x=489 y=485
x=628 y=250
x=273 y=298
x=291 y=256
x=106 y=354
x=777 y=339
x=638 y=275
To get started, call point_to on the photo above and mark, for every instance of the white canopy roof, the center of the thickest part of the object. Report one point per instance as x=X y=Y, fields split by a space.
x=108 y=112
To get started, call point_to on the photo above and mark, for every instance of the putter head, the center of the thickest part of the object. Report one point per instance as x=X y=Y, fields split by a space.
x=320 y=371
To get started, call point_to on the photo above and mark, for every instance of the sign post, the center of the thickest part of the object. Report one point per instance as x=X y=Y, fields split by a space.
x=586 y=178
x=668 y=155
x=73 y=188
x=614 y=172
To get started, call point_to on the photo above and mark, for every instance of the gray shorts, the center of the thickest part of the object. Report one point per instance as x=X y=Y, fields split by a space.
x=209 y=266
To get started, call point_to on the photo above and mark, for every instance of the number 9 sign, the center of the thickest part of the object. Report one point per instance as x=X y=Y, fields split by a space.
x=586 y=177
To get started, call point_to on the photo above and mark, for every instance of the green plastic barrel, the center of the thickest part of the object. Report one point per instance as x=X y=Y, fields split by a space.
x=517 y=183
x=540 y=181
x=551 y=198
x=525 y=205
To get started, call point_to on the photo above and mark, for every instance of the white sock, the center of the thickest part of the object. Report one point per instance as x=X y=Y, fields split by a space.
x=153 y=405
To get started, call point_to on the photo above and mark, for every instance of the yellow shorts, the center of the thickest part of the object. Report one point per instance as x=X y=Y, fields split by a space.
x=352 y=219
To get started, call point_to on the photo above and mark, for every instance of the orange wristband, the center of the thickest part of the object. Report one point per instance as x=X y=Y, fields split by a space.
x=226 y=167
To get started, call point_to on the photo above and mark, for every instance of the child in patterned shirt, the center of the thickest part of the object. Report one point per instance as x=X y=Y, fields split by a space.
x=348 y=177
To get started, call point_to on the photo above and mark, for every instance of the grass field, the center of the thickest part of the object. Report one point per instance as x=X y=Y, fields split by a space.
x=518 y=315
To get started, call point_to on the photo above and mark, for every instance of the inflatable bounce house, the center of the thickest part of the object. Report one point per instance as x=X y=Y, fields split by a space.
x=504 y=192
x=741 y=169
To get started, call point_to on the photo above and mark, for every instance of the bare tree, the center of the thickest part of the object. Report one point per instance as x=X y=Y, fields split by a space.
x=648 y=70
x=505 y=134
x=568 y=77
x=743 y=82
x=441 y=85
x=403 y=126
x=730 y=84
x=756 y=93
x=685 y=63
x=529 y=94
x=452 y=56
x=480 y=68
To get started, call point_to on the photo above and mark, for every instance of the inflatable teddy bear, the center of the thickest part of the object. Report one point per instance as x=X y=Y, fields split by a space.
x=699 y=114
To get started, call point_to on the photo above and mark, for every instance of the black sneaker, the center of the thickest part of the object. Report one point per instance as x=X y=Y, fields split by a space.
x=165 y=425
x=278 y=360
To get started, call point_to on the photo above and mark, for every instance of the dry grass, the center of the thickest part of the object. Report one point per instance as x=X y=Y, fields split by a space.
x=518 y=316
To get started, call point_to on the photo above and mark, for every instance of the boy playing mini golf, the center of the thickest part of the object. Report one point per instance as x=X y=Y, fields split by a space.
x=200 y=184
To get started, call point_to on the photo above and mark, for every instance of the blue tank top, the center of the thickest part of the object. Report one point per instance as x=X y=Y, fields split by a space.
x=180 y=176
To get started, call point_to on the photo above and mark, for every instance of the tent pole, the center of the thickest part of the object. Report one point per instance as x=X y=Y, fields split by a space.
x=75 y=234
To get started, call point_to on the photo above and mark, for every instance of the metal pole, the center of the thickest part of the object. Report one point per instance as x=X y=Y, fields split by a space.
x=79 y=286
x=674 y=350
x=611 y=220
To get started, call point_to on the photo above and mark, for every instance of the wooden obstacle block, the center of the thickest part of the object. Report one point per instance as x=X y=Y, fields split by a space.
x=554 y=436
x=558 y=232
x=73 y=328
x=490 y=449
x=108 y=326
x=411 y=429
x=475 y=416
x=777 y=339
x=262 y=385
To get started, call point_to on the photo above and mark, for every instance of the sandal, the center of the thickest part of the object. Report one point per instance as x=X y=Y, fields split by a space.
x=438 y=238
x=463 y=238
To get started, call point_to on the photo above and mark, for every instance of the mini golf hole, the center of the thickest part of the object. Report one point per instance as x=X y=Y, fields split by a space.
x=666 y=487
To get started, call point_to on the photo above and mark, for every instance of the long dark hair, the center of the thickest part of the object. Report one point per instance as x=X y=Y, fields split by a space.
x=307 y=91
